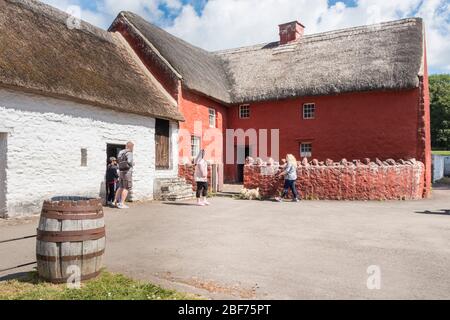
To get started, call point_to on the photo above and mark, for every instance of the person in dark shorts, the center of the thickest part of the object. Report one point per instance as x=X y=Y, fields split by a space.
x=126 y=165
x=112 y=177
x=201 y=178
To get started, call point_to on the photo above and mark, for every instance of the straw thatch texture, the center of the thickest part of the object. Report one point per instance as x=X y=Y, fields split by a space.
x=386 y=56
x=201 y=70
x=39 y=53
x=383 y=57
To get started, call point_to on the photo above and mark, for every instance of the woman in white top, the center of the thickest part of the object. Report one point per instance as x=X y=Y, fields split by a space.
x=290 y=177
x=201 y=177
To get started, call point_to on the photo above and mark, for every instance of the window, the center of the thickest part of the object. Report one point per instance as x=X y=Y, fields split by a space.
x=306 y=150
x=244 y=111
x=195 y=146
x=212 y=118
x=84 y=157
x=309 y=111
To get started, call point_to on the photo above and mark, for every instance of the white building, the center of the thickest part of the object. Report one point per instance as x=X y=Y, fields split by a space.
x=69 y=97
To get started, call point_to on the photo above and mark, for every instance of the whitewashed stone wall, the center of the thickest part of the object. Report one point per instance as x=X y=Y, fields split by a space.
x=3 y=150
x=45 y=139
x=441 y=167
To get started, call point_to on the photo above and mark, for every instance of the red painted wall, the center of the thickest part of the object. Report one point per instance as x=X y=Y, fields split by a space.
x=195 y=109
x=351 y=126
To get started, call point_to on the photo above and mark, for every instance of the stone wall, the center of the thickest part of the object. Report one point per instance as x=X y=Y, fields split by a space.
x=187 y=171
x=357 y=180
x=44 y=141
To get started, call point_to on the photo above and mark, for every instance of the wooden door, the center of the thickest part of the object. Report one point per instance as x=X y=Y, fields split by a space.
x=162 y=139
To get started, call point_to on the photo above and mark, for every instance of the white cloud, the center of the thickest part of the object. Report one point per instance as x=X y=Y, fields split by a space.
x=233 y=23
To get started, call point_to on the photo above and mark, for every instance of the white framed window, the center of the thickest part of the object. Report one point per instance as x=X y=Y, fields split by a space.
x=309 y=111
x=195 y=146
x=212 y=118
x=306 y=150
x=244 y=111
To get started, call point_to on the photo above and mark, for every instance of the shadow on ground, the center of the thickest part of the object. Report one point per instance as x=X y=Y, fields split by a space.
x=442 y=212
x=180 y=204
x=28 y=277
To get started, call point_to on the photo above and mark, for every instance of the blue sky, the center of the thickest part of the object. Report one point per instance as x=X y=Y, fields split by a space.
x=221 y=24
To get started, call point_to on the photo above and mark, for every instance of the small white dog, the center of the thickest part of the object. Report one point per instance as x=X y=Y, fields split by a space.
x=250 y=194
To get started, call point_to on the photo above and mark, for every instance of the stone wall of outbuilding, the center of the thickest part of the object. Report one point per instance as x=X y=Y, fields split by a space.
x=45 y=136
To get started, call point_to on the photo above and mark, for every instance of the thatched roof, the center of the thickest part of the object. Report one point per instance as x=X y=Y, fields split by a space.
x=39 y=53
x=386 y=56
x=200 y=70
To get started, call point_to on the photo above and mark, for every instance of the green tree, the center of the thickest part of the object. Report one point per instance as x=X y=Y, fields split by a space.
x=440 y=111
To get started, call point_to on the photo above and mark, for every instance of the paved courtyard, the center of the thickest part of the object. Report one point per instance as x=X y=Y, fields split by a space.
x=266 y=250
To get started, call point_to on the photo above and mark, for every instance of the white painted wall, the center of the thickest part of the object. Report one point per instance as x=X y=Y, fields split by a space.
x=44 y=149
x=441 y=167
x=3 y=150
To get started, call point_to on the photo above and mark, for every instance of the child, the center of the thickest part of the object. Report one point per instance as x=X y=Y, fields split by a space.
x=111 y=180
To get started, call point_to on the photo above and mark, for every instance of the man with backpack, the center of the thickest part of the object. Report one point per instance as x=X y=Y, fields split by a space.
x=126 y=164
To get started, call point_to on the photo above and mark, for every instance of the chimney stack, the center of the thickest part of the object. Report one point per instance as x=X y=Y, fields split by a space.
x=291 y=32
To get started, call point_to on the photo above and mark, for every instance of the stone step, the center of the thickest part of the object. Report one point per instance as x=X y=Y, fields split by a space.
x=226 y=194
x=178 y=197
x=181 y=193
x=176 y=188
x=172 y=180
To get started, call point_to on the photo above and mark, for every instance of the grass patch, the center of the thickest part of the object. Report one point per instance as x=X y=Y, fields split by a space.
x=442 y=153
x=107 y=286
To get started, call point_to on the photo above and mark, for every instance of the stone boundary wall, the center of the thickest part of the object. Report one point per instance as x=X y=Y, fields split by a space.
x=187 y=171
x=329 y=180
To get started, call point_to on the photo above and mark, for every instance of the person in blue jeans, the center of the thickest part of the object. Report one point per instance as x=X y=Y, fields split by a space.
x=290 y=178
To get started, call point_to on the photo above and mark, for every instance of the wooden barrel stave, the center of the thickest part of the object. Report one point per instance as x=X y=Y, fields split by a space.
x=55 y=257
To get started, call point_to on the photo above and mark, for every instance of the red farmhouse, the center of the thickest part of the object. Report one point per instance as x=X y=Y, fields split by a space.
x=354 y=93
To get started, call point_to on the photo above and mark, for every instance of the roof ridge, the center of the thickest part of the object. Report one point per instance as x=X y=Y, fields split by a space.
x=125 y=13
x=324 y=35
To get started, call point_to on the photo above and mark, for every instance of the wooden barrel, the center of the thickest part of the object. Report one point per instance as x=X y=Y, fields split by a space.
x=71 y=239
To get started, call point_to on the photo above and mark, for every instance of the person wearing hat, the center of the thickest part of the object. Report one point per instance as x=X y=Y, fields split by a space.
x=112 y=176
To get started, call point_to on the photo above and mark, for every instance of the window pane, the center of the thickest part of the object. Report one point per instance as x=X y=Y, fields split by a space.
x=195 y=146
x=306 y=150
x=309 y=110
x=244 y=111
x=212 y=118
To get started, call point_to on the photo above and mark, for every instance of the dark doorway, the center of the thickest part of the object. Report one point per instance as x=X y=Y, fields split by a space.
x=240 y=166
x=162 y=140
x=112 y=150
